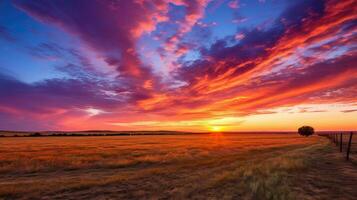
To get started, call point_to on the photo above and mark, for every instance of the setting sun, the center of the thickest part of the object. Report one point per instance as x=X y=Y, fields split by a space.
x=216 y=128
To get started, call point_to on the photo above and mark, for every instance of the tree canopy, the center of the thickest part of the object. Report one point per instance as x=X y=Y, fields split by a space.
x=306 y=131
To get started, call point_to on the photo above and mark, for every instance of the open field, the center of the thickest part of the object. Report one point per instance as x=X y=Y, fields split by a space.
x=205 y=166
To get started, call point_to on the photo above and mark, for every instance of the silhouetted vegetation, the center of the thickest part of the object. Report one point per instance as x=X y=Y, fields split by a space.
x=306 y=131
x=35 y=135
x=88 y=133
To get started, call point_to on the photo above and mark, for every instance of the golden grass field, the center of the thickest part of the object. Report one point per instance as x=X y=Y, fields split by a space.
x=204 y=166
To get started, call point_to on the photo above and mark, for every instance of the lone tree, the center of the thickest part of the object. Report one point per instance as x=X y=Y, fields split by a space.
x=306 y=131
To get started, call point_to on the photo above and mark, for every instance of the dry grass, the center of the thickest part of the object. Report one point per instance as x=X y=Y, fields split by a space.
x=25 y=155
x=217 y=166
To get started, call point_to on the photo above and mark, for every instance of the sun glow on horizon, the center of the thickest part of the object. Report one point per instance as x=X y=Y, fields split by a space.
x=216 y=128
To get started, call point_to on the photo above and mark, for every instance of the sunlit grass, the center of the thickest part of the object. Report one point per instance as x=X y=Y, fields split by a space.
x=217 y=164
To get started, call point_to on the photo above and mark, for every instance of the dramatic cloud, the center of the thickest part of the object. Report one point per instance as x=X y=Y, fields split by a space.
x=168 y=64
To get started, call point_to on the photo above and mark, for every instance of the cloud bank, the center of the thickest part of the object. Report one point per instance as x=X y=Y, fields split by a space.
x=307 y=55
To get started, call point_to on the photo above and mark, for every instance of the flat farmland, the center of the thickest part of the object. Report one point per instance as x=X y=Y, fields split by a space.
x=201 y=166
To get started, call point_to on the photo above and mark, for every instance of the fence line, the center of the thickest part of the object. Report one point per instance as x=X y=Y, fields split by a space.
x=338 y=141
x=349 y=146
x=341 y=142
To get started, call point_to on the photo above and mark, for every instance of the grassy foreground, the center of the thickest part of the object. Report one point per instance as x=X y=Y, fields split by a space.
x=216 y=166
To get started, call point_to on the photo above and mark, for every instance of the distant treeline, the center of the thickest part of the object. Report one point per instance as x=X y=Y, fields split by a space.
x=4 y=133
x=68 y=134
x=87 y=133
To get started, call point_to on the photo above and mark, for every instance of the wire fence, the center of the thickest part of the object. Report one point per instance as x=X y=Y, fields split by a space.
x=345 y=143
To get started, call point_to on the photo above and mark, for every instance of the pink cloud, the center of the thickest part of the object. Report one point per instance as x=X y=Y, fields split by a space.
x=264 y=70
x=234 y=4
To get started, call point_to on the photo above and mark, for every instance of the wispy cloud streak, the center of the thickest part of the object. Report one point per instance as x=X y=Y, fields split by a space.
x=307 y=55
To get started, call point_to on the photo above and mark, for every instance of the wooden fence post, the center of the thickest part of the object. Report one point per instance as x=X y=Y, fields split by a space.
x=349 y=147
x=341 y=142
x=336 y=137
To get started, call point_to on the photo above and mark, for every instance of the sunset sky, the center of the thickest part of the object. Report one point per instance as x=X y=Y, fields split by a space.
x=192 y=65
